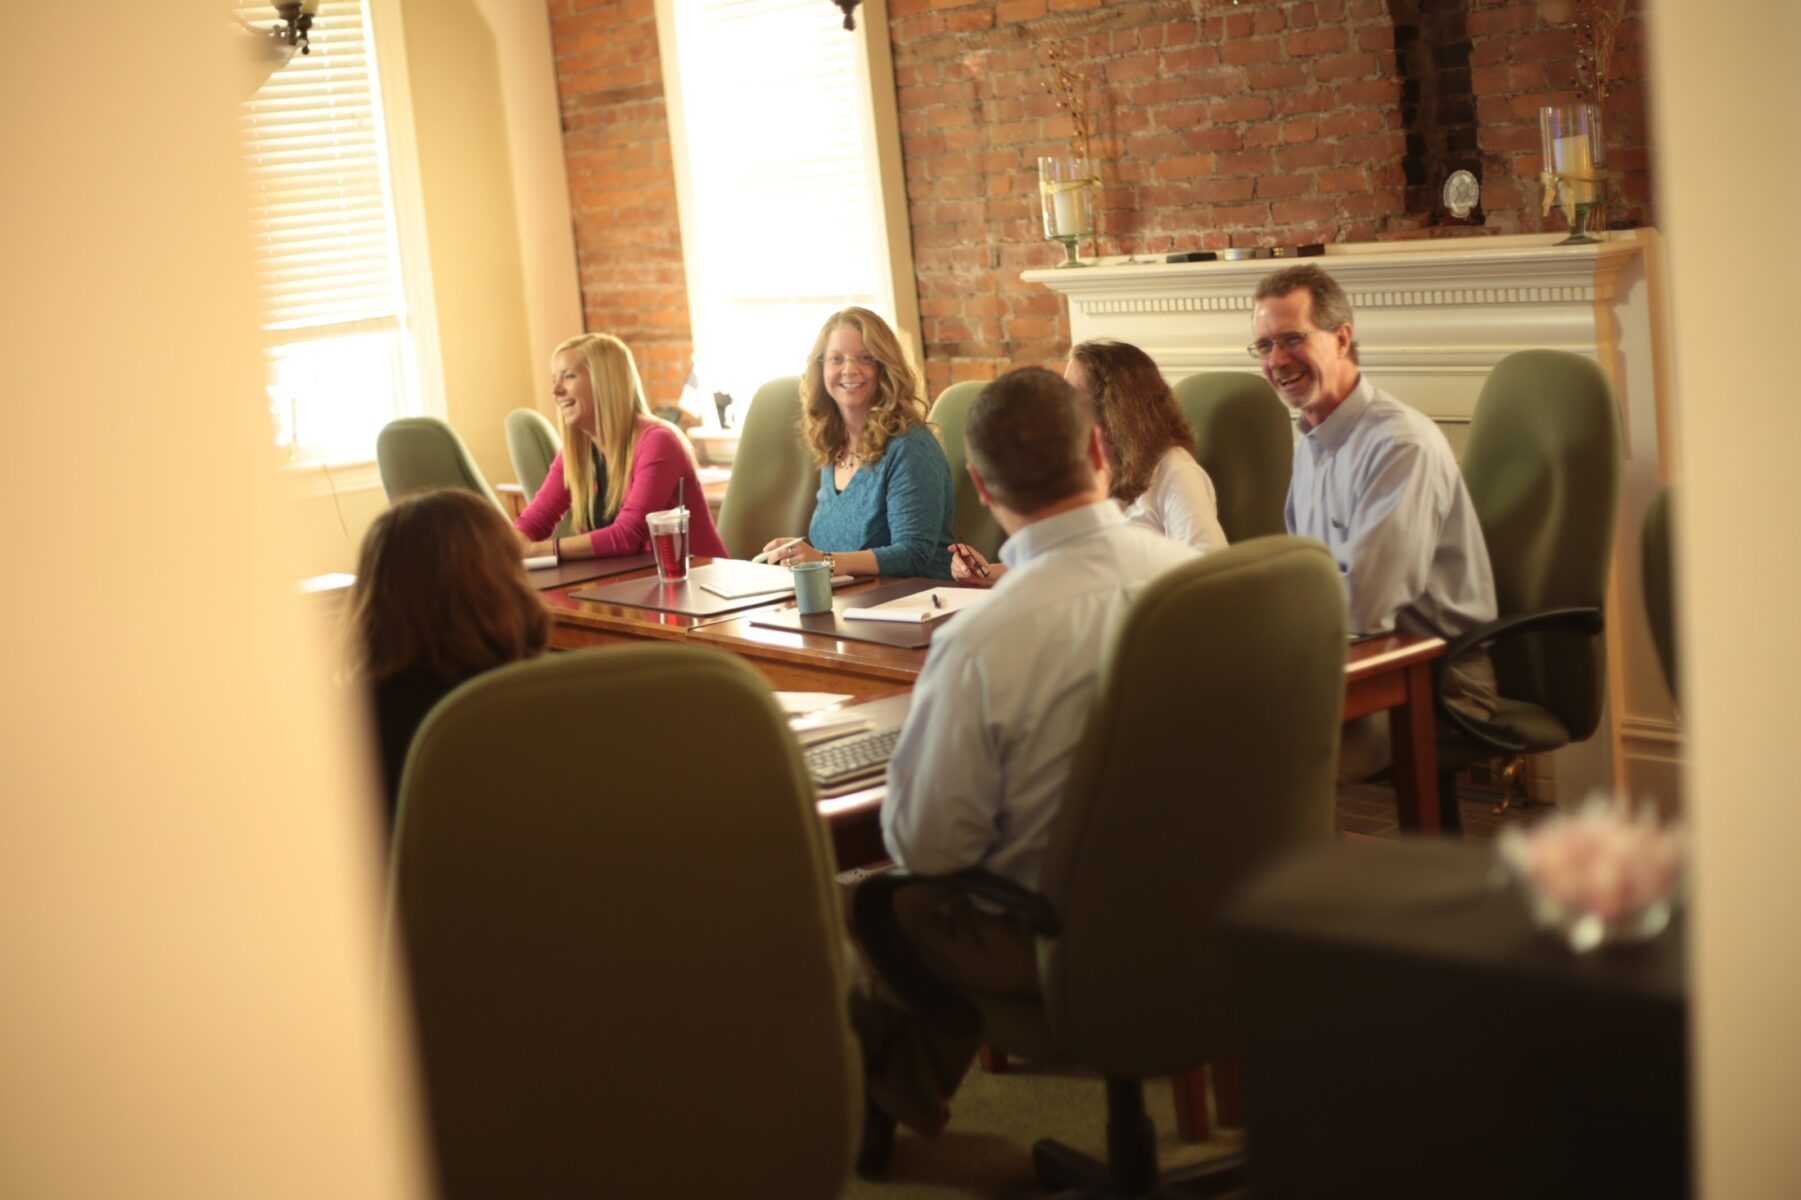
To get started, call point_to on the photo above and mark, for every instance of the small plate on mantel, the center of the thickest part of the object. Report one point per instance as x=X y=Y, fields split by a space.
x=1462 y=193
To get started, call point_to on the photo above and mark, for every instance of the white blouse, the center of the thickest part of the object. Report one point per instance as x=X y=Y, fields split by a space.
x=1180 y=503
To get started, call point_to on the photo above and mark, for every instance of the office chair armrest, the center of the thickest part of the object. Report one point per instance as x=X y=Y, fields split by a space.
x=872 y=912
x=1562 y=620
x=1504 y=739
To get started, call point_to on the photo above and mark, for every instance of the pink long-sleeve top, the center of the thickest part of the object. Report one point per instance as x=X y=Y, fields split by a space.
x=657 y=462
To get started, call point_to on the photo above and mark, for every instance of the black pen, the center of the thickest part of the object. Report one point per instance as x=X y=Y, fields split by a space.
x=936 y=602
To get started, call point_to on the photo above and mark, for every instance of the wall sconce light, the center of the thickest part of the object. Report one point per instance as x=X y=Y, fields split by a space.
x=267 y=51
x=297 y=22
x=850 y=22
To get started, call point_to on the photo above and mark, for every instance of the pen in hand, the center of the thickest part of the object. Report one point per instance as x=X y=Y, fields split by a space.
x=962 y=552
x=765 y=555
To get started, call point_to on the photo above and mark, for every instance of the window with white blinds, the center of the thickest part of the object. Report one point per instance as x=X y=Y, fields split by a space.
x=334 y=312
x=779 y=177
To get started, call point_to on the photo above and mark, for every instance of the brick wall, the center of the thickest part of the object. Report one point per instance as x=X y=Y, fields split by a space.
x=628 y=238
x=1438 y=107
x=1519 y=62
x=1262 y=123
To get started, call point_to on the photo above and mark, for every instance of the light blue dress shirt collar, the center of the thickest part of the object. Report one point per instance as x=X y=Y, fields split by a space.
x=1329 y=435
x=1041 y=537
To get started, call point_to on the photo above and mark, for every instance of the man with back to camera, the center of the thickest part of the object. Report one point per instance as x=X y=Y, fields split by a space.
x=1376 y=482
x=981 y=766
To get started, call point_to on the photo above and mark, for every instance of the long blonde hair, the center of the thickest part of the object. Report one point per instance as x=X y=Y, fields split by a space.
x=618 y=405
x=899 y=405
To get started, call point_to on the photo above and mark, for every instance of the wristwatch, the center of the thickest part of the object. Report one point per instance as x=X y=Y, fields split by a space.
x=831 y=564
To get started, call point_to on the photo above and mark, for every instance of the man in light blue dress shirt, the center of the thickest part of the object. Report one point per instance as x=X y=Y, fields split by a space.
x=1376 y=482
x=982 y=764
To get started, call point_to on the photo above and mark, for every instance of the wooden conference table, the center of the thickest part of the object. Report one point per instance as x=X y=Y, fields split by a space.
x=1390 y=672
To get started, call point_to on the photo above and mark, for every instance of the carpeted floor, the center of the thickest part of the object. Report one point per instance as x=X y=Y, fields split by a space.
x=985 y=1154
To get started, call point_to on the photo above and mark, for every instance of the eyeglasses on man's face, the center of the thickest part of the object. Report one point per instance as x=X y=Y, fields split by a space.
x=1287 y=343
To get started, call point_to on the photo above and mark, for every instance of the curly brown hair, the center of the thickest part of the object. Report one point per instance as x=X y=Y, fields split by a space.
x=441 y=589
x=1136 y=411
x=900 y=401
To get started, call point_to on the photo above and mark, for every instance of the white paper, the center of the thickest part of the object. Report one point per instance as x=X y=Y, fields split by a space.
x=811 y=731
x=797 y=704
x=734 y=580
x=920 y=607
x=740 y=581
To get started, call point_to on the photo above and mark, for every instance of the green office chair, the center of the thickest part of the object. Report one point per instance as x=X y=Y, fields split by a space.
x=1244 y=438
x=1179 y=793
x=416 y=454
x=532 y=444
x=1657 y=557
x=774 y=483
x=1542 y=465
x=627 y=965
x=971 y=522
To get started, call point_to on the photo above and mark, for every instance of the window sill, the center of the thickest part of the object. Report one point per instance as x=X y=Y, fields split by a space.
x=325 y=477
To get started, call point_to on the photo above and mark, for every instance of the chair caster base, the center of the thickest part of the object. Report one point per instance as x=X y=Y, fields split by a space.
x=1081 y=1177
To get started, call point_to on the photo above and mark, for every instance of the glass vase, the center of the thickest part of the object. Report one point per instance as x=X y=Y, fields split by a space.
x=1575 y=160
x=1066 y=192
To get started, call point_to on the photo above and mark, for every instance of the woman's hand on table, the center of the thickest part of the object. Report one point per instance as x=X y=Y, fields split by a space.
x=789 y=552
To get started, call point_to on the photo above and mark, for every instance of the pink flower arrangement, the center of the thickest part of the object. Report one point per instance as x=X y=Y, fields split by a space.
x=1600 y=874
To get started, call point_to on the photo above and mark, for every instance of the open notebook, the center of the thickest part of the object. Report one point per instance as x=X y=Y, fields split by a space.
x=920 y=607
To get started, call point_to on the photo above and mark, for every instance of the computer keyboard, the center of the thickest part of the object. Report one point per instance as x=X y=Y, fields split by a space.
x=851 y=757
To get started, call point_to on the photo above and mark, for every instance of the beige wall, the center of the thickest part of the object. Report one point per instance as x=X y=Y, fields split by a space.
x=190 y=893
x=1729 y=108
x=483 y=109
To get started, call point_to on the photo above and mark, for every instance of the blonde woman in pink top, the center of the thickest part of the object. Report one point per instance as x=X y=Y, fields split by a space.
x=619 y=464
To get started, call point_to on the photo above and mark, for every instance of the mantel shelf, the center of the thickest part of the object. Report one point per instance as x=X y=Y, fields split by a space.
x=1432 y=318
x=1523 y=269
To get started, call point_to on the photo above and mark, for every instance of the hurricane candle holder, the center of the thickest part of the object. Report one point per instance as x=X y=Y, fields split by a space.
x=1066 y=190
x=1574 y=158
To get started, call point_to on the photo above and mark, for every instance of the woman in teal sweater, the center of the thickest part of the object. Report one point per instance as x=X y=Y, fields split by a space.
x=884 y=504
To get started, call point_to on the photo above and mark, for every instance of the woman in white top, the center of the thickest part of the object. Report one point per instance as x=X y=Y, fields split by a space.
x=1150 y=454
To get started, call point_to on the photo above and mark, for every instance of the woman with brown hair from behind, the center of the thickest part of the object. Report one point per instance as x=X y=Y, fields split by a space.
x=1149 y=448
x=441 y=596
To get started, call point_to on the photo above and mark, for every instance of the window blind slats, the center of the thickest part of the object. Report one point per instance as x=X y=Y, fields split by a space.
x=319 y=212
x=323 y=230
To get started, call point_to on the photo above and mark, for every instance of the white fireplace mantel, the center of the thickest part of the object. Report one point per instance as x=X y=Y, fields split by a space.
x=1432 y=318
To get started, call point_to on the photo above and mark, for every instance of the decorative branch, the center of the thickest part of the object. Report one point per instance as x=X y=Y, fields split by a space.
x=1596 y=23
x=1070 y=90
